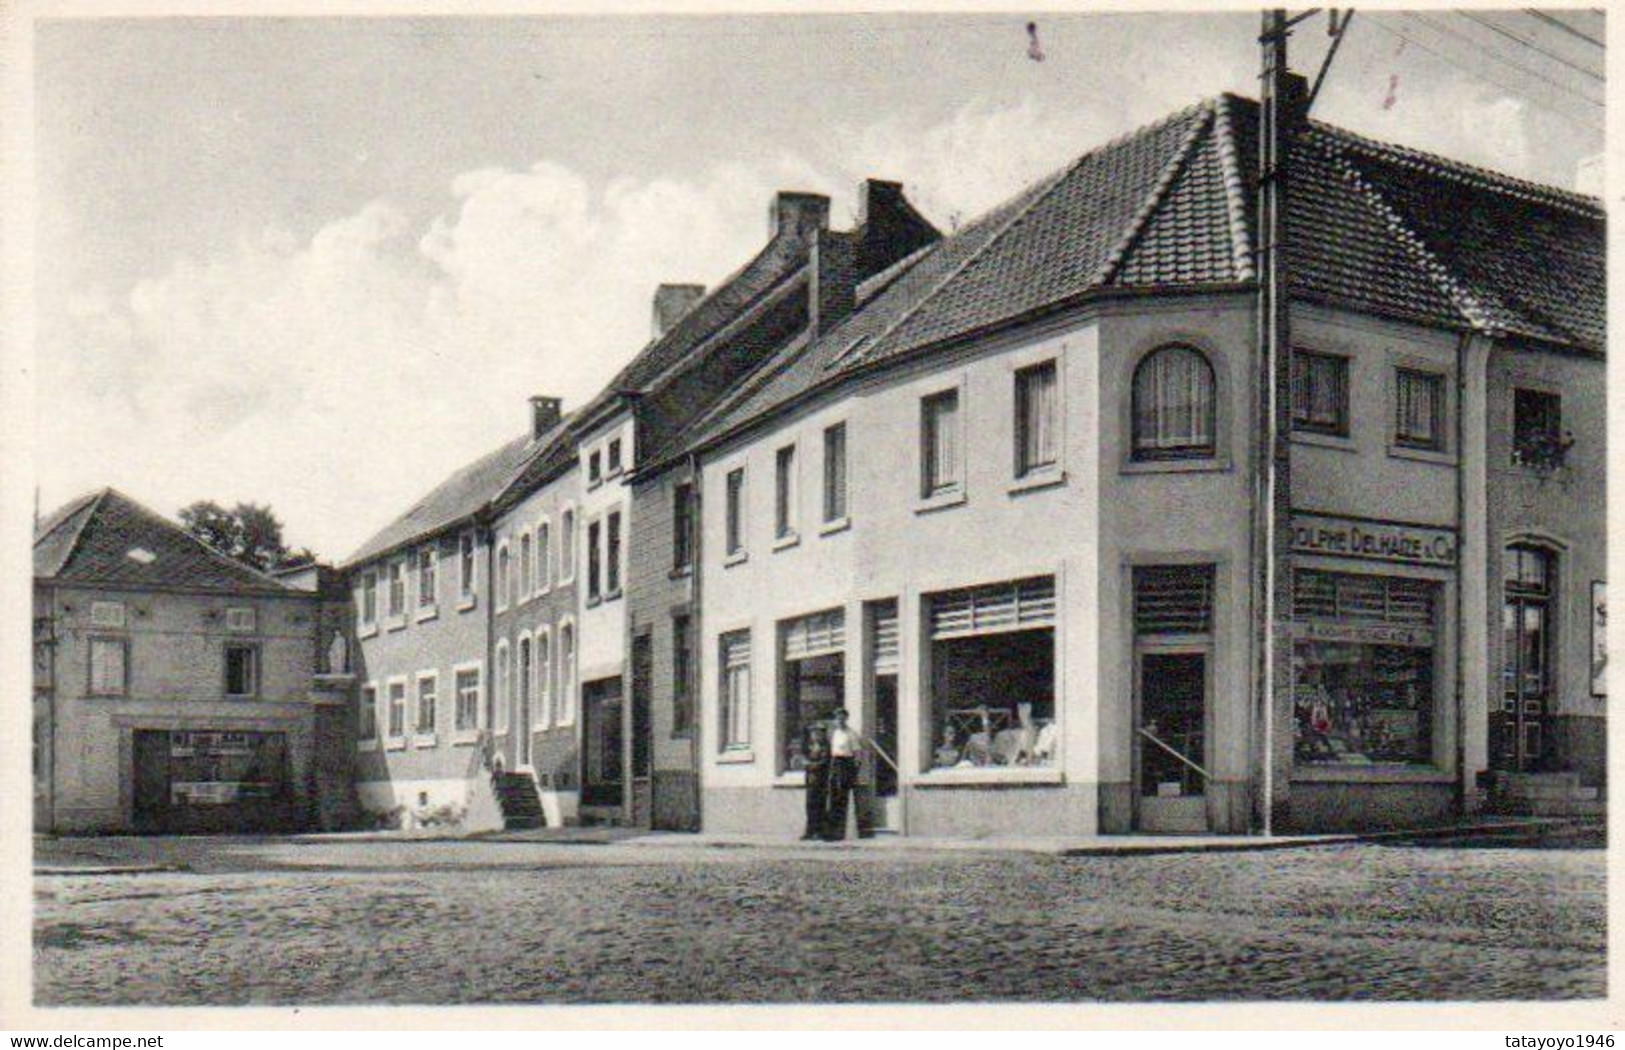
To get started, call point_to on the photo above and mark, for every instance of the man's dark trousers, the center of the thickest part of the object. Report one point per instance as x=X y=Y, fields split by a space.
x=843 y=776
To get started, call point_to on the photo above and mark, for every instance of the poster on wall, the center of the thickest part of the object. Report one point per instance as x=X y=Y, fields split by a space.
x=1599 y=638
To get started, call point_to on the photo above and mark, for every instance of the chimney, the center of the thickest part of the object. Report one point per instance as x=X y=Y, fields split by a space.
x=798 y=214
x=544 y=414
x=1295 y=101
x=892 y=230
x=834 y=291
x=672 y=301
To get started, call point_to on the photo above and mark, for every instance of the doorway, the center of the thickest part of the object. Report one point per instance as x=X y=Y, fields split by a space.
x=603 y=780
x=522 y=715
x=1171 y=742
x=1519 y=740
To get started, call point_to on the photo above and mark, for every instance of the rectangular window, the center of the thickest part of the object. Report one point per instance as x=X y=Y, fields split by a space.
x=1537 y=429
x=240 y=620
x=812 y=668
x=428 y=576
x=109 y=666
x=369 y=598
x=504 y=580
x=527 y=570
x=465 y=564
x=107 y=614
x=544 y=555
x=784 y=492
x=428 y=696
x=367 y=714
x=736 y=510
x=544 y=681
x=835 y=472
x=612 y=557
x=396 y=725
x=595 y=469
x=397 y=588
x=682 y=526
x=939 y=443
x=242 y=670
x=614 y=456
x=567 y=674
x=682 y=671
x=1173 y=599
x=1320 y=395
x=468 y=700
x=594 y=560
x=1037 y=443
x=1419 y=409
x=734 y=665
x=567 y=546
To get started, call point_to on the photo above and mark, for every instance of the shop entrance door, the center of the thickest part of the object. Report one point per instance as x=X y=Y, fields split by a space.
x=888 y=815
x=1171 y=742
x=602 y=776
x=1520 y=737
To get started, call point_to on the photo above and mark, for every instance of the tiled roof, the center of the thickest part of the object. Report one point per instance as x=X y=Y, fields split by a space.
x=461 y=496
x=108 y=538
x=1371 y=227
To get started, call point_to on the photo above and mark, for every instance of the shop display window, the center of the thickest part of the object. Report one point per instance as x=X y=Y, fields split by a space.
x=1358 y=704
x=993 y=700
x=813 y=688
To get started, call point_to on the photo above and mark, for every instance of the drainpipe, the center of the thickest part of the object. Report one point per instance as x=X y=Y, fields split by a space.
x=1462 y=345
x=696 y=629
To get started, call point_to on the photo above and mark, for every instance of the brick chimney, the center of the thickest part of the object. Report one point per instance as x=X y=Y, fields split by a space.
x=892 y=230
x=799 y=213
x=672 y=301
x=834 y=291
x=544 y=414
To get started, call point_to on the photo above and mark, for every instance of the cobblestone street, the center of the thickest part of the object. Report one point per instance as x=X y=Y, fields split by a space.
x=462 y=922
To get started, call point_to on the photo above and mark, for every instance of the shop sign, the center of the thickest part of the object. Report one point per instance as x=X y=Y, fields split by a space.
x=1362 y=633
x=1387 y=541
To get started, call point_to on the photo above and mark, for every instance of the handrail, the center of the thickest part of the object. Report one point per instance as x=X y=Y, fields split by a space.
x=881 y=752
x=1143 y=731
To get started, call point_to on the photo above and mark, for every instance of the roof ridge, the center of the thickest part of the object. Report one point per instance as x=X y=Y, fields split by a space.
x=1466 y=302
x=219 y=555
x=1473 y=174
x=1235 y=187
x=1153 y=201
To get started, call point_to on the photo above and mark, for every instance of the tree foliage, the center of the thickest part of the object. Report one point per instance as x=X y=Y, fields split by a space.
x=249 y=532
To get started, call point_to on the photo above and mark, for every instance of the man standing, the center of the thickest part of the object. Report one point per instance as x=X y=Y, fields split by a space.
x=843 y=774
x=815 y=753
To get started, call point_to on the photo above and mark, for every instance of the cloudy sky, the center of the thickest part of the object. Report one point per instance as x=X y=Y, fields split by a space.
x=321 y=263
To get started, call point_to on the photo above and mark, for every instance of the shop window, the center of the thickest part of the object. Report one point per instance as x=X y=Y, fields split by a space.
x=735 y=511
x=1538 y=440
x=939 y=444
x=1320 y=393
x=1363 y=668
x=835 y=472
x=1037 y=419
x=813 y=677
x=367 y=714
x=993 y=676
x=784 y=492
x=734 y=695
x=242 y=670
x=109 y=666
x=1419 y=411
x=682 y=674
x=1174 y=405
x=468 y=700
x=682 y=526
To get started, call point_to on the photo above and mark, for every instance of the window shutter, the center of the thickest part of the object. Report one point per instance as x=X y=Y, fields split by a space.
x=887 y=654
x=815 y=635
x=1173 y=599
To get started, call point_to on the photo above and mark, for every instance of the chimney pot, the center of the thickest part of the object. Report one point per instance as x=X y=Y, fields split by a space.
x=672 y=301
x=796 y=212
x=544 y=414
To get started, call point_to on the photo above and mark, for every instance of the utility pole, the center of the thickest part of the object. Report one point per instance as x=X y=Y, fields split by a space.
x=1279 y=101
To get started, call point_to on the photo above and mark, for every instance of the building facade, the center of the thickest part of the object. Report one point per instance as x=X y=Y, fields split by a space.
x=177 y=690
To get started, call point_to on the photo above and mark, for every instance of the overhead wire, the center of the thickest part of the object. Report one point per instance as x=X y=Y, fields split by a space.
x=1479 y=48
x=1530 y=44
x=1558 y=23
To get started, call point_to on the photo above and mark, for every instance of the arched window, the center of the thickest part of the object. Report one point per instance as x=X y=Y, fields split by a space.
x=567 y=674
x=1174 y=405
x=544 y=680
x=504 y=582
x=526 y=570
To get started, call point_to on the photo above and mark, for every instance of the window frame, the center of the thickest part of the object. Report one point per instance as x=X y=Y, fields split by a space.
x=1180 y=454
x=933 y=490
x=102 y=618
x=501 y=687
x=1438 y=380
x=569 y=658
x=255 y=670
x=1021 y=394
x=467 y=568
x=735 y=545
x=836 y=468
x=526 y=567
x=729 y=704
x=614 y=553
x=395 y=741
x=367 y=607
x=682 y=527
x=367 y=741
x=682 y=675
x=428 y=569
x=567 y=544
x=397 y=573
x=476 y=668
x=1520 y=456
x=425 y=736
x=1343 y=369
x=123 y=644
x=542 y=712
x=543 y=530
x=786 y=496
x=595 y=561
x=238 y=623
x=501 y=599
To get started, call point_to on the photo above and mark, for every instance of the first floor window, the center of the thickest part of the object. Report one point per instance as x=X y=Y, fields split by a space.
x=939 y=443
x=397 y=588
x=367 y=712
x=1320 y=393
x=594 y=561
x=784 y=493
x=682 y=526
x=736 y=511
x=465 y=564
x=1419 y=411
x=527 y=571
x=428 y=576
x=1537 y=429
x=504 y=582
x=544 y=554
x=428 y=696
x=396 y=726
x=468 y=700
x=992 y=675
x=368 y=600
x=567 y=545
x=835 y=472
x=1037 y=447
x=242 y=670
x=108 y=666
x=734 y=667
x=612 y=555
x=1174 y=405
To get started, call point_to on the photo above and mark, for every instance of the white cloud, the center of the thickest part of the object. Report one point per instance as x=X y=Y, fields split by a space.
x=340 y=377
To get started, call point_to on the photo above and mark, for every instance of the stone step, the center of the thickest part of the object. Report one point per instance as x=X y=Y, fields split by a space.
x=1549 y=790
x=1565 y=807
x=1511 y=783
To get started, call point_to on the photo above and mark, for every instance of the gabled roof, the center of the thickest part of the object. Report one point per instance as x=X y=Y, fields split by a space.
x=1371 y=227
x=107 y=538
x=465 y=494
